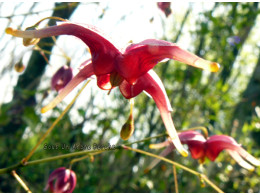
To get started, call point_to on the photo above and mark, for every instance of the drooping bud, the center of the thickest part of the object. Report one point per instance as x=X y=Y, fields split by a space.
x=128 y=128
x=19 y=66
x=30 y=41
x=165 y=7
x=61 y=78
x=62 y=180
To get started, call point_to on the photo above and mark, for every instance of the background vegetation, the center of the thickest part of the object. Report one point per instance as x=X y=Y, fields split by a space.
x=226 y=103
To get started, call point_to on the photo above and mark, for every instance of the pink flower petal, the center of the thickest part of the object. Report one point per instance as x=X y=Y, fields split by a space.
x=53 y=176
x=242 y=152
x=217 y=143
x=73 y=181
x=56 y=173
x=62 y=180
x=236 y=156
x=162 y=154
x=159 y=145
x=187 y=136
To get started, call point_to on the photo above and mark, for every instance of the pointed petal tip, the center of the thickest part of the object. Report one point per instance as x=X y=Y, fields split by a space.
x=254 y=161
x=159 y=145
x=180 y=148
x=152 y=146
x=207 y=65
x=214 y=66
x=176 y=142
x=184 y=152
x=44 y=109
x=9 y=30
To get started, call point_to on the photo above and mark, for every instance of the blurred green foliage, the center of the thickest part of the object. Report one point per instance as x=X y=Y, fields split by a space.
x=198 y=99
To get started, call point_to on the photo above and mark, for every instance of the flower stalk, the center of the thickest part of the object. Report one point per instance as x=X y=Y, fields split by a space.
x=175 y=179
x=21 y=182
x=177 y=165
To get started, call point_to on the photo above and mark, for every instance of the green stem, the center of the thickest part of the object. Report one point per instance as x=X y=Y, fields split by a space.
x=83 y=157
x=203 y=129
x=80 y=153
x=178 y=165
x=44 y=160
x=175 y=179
x=53 y=125
x=21 y=182
x=125 y=146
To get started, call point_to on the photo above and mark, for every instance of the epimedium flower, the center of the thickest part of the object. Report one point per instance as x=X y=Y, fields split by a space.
x=217 y=143
x=201 y=147
x=62 y=180
x=129 y=68
x=194 y=140
x=61 y=78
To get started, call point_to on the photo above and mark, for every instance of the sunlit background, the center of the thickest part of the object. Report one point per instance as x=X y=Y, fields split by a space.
x=199 y=98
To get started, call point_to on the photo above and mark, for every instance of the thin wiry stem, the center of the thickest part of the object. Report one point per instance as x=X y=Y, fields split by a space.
x=175 y=179
x=93 y=152
x=21 y=182
x=203 y=129
x=74 y=4
x=178 y=165
x=54 y=124
x=91 y=156
x=42 y=52
x=73 y=154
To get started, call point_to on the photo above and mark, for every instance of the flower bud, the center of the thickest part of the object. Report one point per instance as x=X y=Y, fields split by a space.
x=128 y=128
x=61 y=78
x=165 y=7
x=19 y=66
x=62 y=180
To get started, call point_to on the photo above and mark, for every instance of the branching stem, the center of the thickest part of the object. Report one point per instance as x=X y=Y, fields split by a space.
x=177 y=165
x=53 y=125
x=21 y=182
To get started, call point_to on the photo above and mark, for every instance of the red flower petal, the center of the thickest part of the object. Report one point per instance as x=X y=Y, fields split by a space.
x=151 y=83
x=141 y=57
x=217 y=143
x=195 y=142
x=102 y=50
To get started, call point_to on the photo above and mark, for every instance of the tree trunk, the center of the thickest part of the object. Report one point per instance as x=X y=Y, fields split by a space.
x=12 y=129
